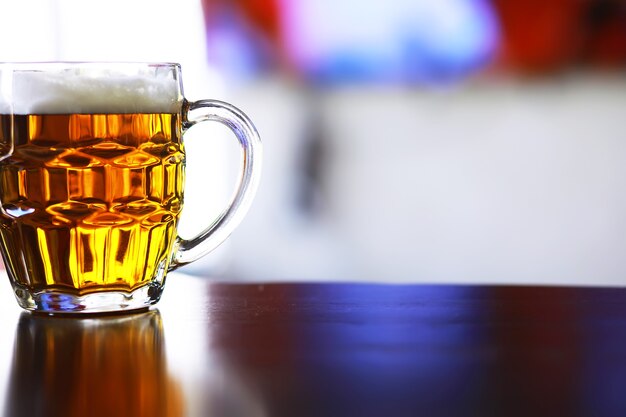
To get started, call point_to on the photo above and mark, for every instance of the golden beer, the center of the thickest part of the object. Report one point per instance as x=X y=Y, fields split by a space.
x=91 y=182
x=90 y=201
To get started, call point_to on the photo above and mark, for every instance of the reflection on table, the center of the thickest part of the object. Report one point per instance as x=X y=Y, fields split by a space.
x=105 y=366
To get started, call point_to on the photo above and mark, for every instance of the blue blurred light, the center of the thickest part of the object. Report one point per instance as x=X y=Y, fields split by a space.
x=403 y=40
x=235 y=47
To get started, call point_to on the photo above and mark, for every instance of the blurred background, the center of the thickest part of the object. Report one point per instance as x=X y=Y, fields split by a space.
x=406 y=140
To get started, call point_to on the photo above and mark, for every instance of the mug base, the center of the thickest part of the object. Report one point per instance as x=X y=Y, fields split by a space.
x=57 y=302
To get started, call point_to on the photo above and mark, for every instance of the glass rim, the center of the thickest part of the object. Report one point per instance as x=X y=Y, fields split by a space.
x=75 y=64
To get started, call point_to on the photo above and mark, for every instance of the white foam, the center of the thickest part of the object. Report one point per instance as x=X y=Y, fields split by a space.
x=78 y=91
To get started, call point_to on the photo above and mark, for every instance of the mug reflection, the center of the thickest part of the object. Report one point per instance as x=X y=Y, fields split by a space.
x=105 y=366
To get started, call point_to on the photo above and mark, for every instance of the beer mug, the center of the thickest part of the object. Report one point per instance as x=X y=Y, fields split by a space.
x=92 y=170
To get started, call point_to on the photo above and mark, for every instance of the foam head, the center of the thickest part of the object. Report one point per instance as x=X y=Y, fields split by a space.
x=80 y=90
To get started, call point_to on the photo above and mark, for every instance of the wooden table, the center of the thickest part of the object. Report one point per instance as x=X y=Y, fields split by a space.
x=300 y=350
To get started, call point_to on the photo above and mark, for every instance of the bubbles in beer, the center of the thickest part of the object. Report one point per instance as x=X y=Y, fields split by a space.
x=91 y=202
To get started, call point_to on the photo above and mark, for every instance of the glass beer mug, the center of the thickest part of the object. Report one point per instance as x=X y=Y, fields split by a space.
x=92 y=169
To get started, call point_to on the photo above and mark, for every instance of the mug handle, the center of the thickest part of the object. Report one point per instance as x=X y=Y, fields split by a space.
x=186 y=251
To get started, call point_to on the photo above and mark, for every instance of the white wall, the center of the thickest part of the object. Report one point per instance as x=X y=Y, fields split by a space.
x=509 y=181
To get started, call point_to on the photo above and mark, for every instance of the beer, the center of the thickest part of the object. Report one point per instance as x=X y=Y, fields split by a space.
x=92 y=177
x=90 y=201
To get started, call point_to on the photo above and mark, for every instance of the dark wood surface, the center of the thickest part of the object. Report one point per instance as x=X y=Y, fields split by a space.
x=300 y=350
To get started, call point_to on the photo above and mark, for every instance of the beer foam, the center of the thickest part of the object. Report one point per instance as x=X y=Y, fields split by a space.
x=74 y=91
